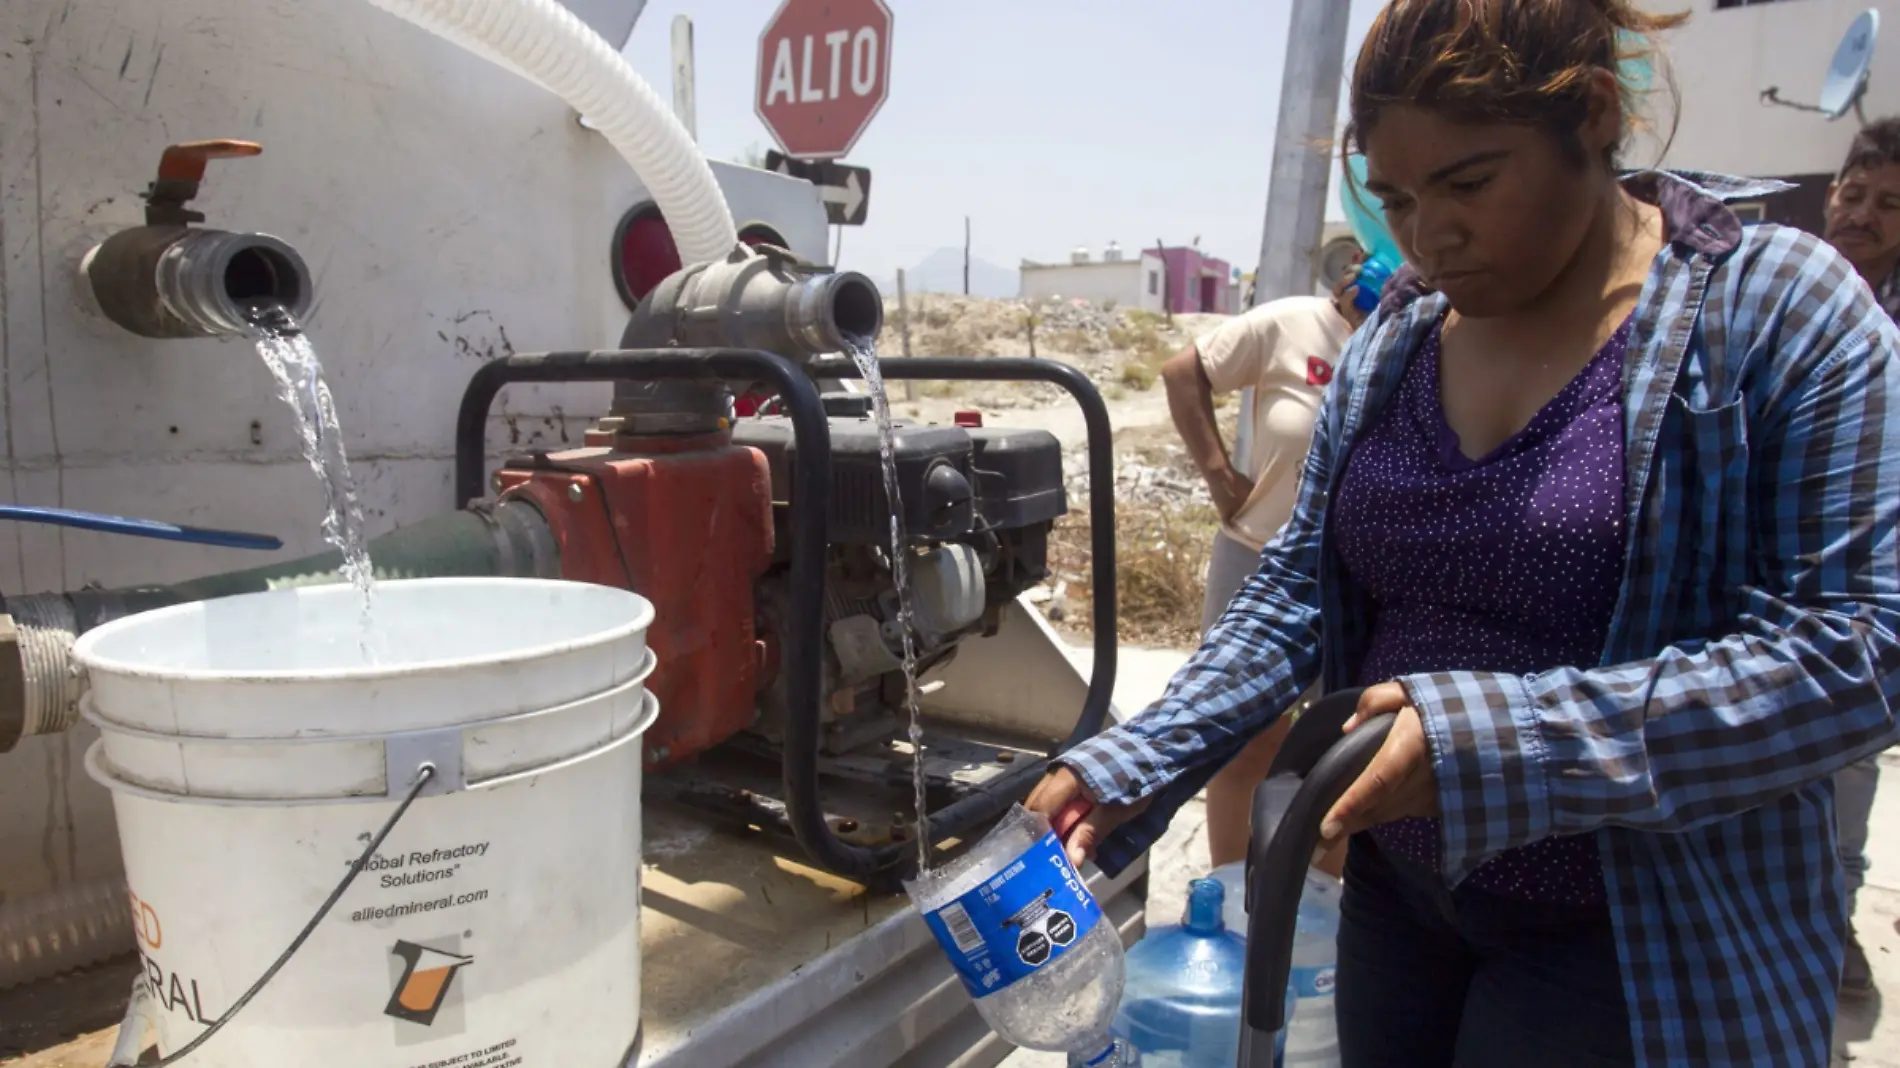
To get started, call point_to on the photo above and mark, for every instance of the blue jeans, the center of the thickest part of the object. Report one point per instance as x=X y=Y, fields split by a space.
x=1854 y=787
x=1432 y=978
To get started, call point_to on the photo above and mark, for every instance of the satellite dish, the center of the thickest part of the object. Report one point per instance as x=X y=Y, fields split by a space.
x=1847 y=75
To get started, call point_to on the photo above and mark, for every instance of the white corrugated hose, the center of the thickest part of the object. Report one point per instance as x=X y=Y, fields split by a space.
x=544 y=42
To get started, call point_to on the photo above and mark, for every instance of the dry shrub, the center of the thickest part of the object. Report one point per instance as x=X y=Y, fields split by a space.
x=1161 y=551
x=1136 y=374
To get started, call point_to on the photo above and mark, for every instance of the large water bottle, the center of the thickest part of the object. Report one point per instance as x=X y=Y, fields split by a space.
x=1181 y=1007
x=1029 y=941
x=1312 y=1036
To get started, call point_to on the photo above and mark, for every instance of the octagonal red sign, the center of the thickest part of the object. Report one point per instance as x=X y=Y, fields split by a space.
x=824 y=70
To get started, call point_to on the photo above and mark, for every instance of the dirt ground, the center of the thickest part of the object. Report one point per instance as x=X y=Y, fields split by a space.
x=39 y=1021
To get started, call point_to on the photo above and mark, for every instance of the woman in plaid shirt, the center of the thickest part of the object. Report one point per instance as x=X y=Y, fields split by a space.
x=1604 y=506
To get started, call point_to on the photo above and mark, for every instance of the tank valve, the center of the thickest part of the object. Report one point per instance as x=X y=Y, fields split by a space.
x=167 y=279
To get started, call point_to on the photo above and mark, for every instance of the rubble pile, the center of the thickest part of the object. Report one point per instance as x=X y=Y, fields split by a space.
x=1098 y=338
x=1141 y=480
x=1164 y=527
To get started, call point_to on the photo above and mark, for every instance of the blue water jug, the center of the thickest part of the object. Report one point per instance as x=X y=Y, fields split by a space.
x=1181 y=1005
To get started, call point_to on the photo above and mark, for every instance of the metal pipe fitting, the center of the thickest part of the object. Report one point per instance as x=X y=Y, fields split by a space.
x=39 y=683
x=168 y=281
x=760 y=298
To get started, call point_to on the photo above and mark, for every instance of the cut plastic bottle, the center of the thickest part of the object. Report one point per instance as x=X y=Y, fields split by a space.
x=1028 y=940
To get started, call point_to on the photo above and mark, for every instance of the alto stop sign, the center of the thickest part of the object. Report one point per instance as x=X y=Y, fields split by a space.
x=824 y=70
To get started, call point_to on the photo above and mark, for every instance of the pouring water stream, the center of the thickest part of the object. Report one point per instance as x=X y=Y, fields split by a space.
x=293 y=363
x=865 y=356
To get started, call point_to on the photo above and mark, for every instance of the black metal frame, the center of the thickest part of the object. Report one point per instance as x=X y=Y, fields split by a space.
x=803 y=645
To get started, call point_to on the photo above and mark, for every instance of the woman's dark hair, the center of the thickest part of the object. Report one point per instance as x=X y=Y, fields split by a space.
x=1524 y=62
x=1877 y=144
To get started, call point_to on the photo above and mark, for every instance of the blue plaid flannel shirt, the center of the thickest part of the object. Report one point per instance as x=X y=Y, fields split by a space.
x=1753 y=651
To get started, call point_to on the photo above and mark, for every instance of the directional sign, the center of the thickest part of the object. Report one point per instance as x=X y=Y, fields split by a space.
x=824 y=70
x=846 y=191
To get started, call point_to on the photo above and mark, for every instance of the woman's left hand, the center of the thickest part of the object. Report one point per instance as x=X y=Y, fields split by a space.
x=1399 y=782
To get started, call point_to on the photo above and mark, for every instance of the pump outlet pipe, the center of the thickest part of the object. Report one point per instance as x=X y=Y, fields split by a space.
x=544 y=42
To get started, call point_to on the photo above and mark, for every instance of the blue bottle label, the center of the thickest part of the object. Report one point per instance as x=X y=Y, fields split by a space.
x=1032 y=912
x=1311 y=982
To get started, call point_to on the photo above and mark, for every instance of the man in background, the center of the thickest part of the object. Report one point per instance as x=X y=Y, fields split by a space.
x=1863 y=222
x=1286 y=350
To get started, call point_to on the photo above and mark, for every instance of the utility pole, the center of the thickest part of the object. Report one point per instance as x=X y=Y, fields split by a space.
x=684 y=78
x=1167 y=294
x=1302 y=164
x=1302 y=167
x=966 y=255
x=903 y=331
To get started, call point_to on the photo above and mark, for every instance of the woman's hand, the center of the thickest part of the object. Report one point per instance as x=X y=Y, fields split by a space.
x=1061 y=789
x=1399 y=782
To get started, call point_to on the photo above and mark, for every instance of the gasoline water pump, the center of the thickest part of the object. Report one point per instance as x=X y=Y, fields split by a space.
x=765 y=545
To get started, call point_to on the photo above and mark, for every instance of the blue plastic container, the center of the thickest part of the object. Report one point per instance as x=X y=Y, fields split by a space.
x=1181 y=1004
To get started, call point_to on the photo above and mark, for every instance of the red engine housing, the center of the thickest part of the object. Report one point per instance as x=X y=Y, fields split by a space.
x=686 y=523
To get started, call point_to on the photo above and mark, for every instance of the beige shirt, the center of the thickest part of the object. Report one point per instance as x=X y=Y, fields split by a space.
x=1286 y=350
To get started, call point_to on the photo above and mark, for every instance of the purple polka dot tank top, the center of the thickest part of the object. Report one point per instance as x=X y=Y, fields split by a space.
x=1509 y=563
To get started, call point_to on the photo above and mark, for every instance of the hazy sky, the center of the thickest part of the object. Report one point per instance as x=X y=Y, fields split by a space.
x=1051 y=123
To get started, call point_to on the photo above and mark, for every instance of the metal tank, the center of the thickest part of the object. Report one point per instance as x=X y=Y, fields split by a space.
x=445 y=211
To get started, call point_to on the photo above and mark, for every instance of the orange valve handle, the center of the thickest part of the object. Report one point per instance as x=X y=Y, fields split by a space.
x=185 y=162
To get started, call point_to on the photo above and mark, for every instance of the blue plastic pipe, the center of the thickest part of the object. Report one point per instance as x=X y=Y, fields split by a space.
x=139 y=528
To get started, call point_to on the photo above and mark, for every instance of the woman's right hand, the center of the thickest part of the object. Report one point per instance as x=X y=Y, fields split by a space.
x=1061 y=789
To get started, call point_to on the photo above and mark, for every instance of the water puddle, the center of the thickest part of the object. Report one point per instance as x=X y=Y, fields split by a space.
x=287 y=352
x=866 y=359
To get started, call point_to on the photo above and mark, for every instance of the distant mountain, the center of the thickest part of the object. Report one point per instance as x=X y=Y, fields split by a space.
x=942 y=272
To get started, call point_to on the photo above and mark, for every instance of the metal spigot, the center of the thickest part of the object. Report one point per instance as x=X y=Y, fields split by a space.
x=167 y=279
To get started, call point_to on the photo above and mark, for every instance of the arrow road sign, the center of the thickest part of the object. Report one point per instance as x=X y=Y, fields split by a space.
x=846 y=191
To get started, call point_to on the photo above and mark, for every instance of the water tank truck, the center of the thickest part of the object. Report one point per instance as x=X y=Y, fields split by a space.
x=462 y=258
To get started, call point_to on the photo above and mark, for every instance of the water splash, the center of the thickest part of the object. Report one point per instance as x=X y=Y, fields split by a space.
x=287 y=352
x=866 y=359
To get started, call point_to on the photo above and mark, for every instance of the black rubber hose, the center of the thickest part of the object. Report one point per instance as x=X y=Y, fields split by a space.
x=1278 y=856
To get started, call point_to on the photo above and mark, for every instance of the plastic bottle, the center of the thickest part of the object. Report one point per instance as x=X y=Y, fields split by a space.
x=1312 y=1035
x=1029 y=941
x=1366 y=218
x=1182 y=1004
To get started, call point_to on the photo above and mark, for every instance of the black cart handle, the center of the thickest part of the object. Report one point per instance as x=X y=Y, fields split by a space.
x=1329 y=762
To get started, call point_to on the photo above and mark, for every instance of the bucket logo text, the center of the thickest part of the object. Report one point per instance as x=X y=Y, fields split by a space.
x=145 y=925
x=427 y=980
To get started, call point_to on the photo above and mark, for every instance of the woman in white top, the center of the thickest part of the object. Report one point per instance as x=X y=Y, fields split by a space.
x=1286 y=350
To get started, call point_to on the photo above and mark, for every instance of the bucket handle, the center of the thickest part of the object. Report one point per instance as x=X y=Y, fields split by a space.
x=423 y=775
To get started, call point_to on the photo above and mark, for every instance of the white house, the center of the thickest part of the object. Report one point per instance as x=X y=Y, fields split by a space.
x=1729 y=54
x=1130 y=282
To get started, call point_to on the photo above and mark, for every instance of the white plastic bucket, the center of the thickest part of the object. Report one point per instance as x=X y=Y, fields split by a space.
x=287 y=664
x=498 y=926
